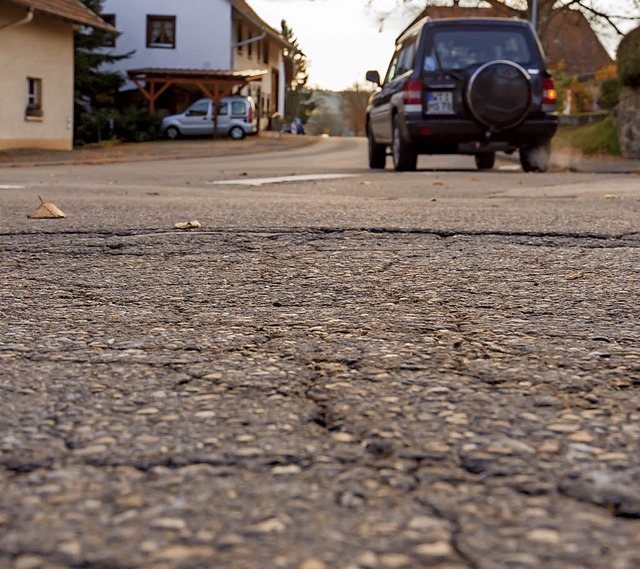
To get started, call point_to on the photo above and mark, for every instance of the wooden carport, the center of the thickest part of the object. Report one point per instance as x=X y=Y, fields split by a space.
x=152 y=82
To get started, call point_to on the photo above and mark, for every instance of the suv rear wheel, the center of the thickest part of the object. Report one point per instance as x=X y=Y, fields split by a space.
x=535 y=158
x=486 y=160
x=377 y=153
x=405 y=158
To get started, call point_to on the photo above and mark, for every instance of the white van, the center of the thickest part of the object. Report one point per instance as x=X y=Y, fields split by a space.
x=236 y=118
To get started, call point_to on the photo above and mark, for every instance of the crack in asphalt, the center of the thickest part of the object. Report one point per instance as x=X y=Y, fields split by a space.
x=626 y=239
x=53 y=560
x=456 y=531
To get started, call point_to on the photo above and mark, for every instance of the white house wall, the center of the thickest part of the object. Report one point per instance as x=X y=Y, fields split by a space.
x=43 y=49
x=203 y=34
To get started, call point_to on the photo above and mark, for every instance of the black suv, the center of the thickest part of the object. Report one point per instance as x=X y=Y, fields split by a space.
x=464 y=86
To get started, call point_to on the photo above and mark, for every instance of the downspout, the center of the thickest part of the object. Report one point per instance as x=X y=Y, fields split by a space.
x=250 y=40
x=282 y=88
x=27 y=19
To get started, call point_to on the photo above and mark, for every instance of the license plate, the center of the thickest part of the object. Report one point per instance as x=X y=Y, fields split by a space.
x=440 y=103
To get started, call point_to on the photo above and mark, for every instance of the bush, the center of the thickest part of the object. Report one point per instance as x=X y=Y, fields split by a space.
x=629 y=59
x=132 y=124
x=135 y=125
x=581 y=98
x=609 y=93
x=597 y=138
x=93 y=126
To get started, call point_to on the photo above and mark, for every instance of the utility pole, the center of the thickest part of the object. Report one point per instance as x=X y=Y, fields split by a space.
x=534 y=14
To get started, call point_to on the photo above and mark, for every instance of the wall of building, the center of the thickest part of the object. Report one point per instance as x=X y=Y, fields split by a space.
x=264 y=54
x=40 y=49
x=203 y=34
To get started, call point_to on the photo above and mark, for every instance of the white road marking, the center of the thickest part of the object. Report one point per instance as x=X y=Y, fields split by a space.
x=509 y=167
x=281 y=179
x=11 y=187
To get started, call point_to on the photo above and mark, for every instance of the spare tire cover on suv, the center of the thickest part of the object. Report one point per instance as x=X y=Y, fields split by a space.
x=499 y=94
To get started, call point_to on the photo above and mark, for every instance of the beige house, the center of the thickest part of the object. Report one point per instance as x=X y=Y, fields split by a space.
x=37 y=58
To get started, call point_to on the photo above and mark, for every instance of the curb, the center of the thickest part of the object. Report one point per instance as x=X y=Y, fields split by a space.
x=152 y=151
x=570 y=162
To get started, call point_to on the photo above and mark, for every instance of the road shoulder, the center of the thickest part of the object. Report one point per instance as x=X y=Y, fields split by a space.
x=155 y=150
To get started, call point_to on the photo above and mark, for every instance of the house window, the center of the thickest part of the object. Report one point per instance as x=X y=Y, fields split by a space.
x=109 y=39
x=265 y=51
x=161 y=31
x=34 y=98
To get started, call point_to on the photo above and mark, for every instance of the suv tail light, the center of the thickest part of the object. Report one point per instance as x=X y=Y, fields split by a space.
x=250 y=114
x=413 y=92
x=549 y=93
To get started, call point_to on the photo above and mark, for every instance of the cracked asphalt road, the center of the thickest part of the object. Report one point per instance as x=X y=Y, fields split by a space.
x=429 y=370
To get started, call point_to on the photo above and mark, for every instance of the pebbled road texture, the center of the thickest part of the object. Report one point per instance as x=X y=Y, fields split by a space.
x=319 y=398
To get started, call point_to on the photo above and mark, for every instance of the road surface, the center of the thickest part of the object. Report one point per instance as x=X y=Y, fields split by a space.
x=356 y=371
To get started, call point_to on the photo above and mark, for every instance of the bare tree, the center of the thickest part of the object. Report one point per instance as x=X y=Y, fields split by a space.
x=353 y=103
x=602 y=14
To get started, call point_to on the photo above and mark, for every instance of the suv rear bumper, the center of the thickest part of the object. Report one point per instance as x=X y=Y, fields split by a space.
x=447 y=135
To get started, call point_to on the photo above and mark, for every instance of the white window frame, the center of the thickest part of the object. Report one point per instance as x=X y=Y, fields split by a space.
x=33 y=103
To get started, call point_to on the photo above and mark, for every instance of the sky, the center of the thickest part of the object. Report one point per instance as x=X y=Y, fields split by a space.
x=342 y=39
x=339 y=37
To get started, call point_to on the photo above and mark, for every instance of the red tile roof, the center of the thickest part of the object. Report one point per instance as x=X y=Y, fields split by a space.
x=72 y=11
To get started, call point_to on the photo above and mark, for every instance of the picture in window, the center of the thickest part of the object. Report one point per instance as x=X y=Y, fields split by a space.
x=161 y=31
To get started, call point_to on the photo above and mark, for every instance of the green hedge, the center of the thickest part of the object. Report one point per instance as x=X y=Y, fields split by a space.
x=131 y=124
x=629 y=59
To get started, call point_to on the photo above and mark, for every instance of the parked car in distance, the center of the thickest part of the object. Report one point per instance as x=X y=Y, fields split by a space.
x=236 y=118
x=464 y=86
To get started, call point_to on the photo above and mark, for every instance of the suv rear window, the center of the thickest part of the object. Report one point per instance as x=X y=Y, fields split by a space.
x=457 y=49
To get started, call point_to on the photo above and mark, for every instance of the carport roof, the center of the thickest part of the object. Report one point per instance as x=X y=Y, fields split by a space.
x=222 y=75
x=153 y=81
x=70 y=10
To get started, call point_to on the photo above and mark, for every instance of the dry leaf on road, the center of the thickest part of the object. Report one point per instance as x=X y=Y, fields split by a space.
x=47 y=211
x=192 y=224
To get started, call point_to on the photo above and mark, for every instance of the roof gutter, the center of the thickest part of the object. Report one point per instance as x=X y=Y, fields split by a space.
x=26 y=20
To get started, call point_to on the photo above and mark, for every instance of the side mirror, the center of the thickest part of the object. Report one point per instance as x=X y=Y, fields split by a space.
x=373 y=76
